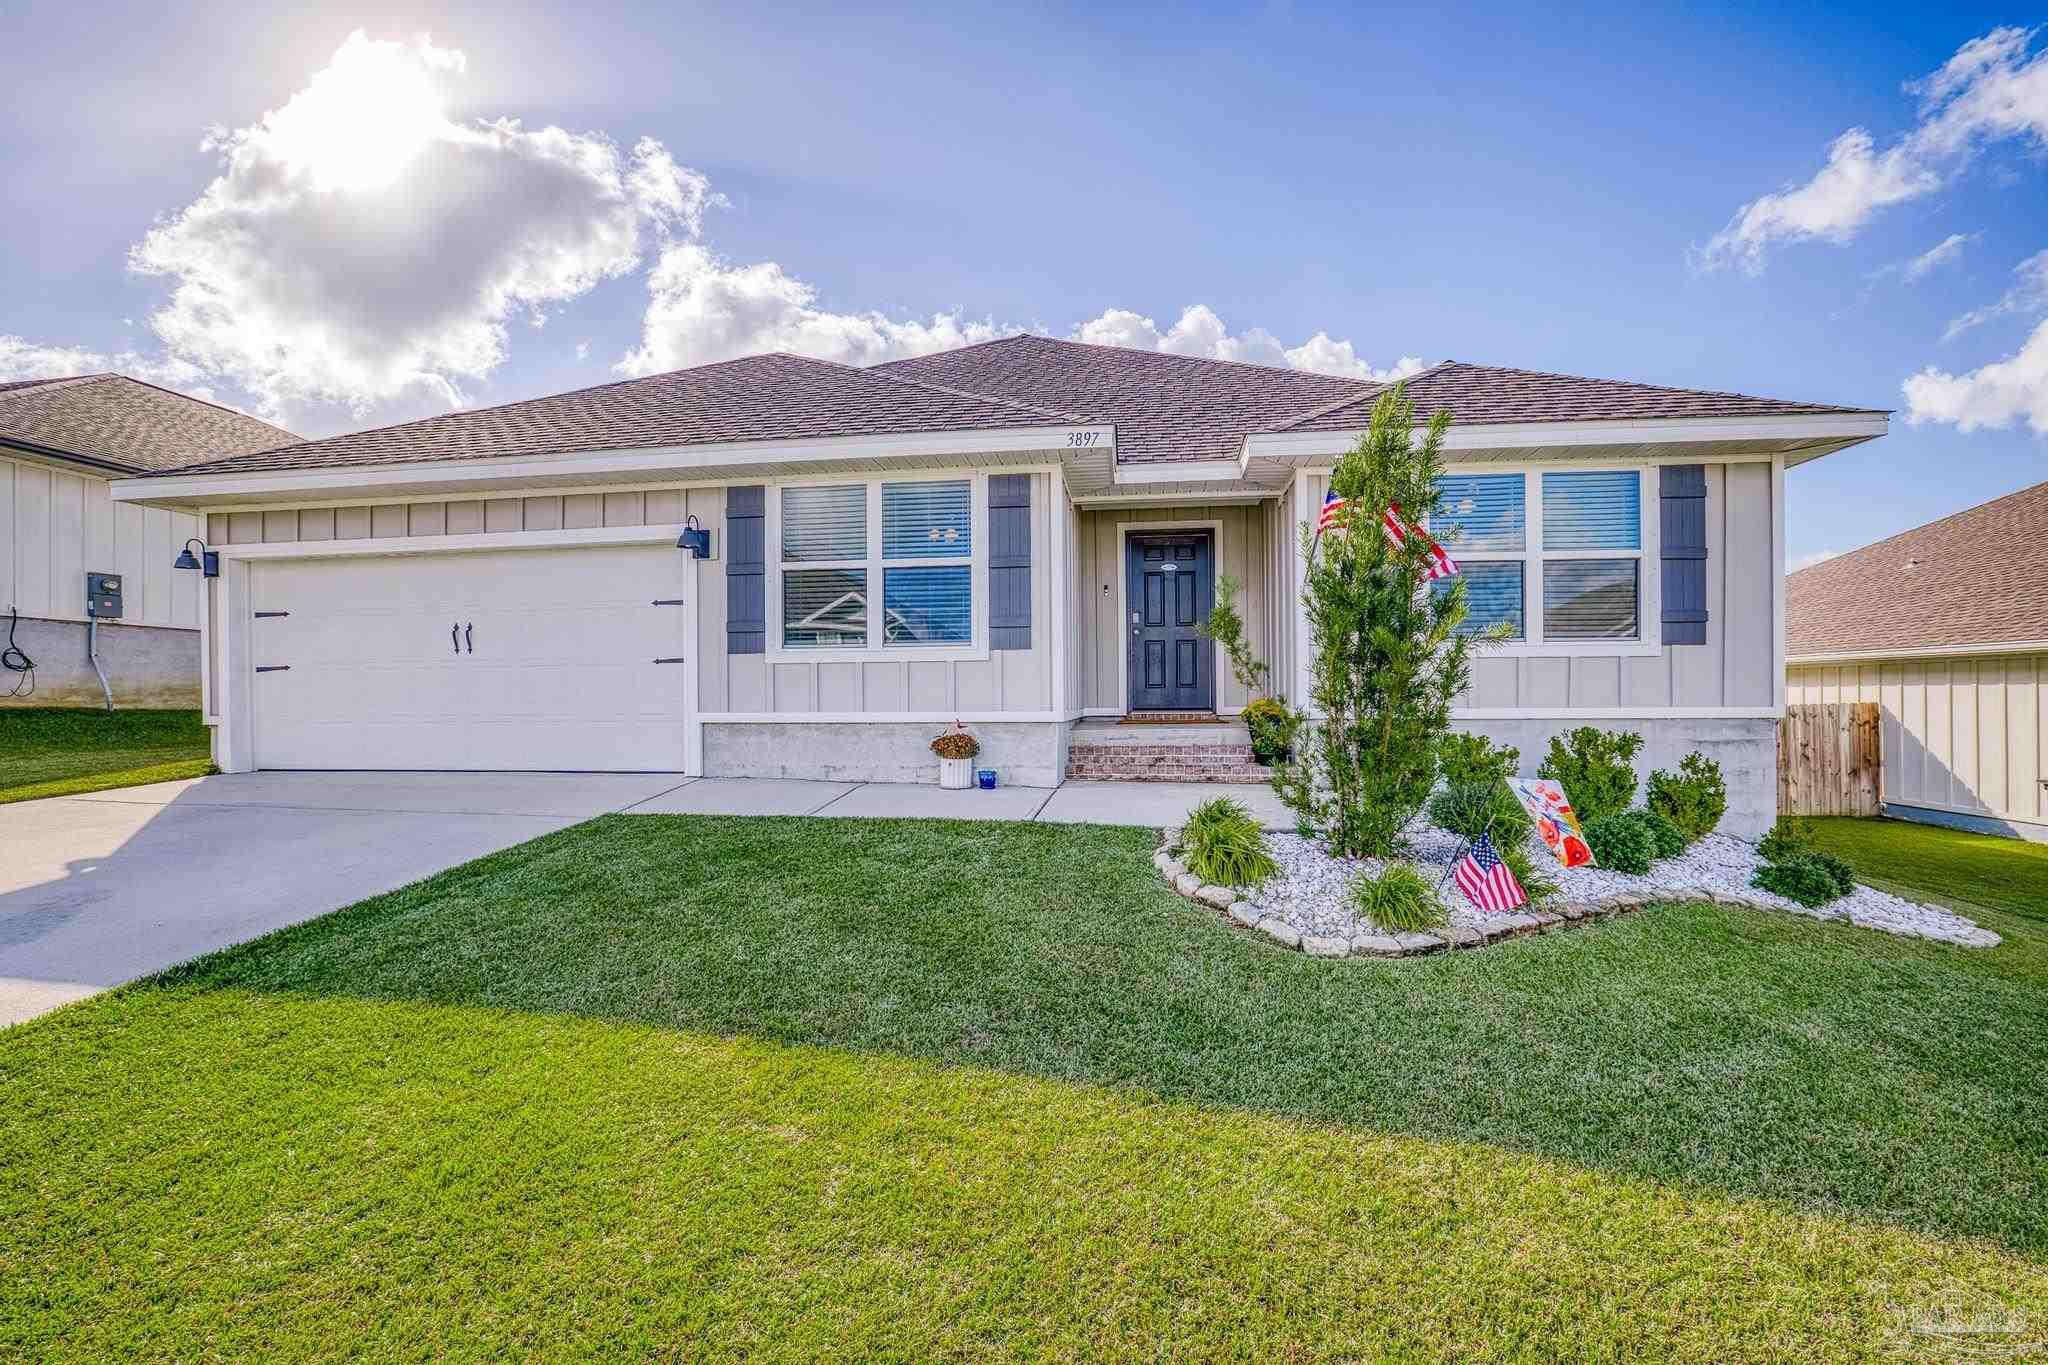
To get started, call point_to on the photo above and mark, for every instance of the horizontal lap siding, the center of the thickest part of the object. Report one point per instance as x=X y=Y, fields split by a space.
x=56 y=526
x=1240 y=553
x=1733 y=667
x=1963 y=735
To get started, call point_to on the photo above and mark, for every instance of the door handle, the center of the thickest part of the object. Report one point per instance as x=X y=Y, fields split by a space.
x=466 y=639
x=455 y=635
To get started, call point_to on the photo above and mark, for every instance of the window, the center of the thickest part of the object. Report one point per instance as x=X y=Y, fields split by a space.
x=916 y=539
x=1558 y=561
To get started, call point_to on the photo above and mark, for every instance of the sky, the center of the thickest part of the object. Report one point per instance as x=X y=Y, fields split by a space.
x=375 y=212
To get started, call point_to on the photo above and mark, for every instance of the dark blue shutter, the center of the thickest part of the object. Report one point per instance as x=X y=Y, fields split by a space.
x=1683 y=493
x=746 y=567
x=1009 y=561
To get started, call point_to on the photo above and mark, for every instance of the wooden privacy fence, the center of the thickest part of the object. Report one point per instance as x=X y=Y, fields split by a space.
x=1828 y=759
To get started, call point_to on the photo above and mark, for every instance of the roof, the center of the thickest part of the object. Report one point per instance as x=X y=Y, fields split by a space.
x=1931 y=587
x=756 y=398
x=110 y=419
x=1165 y=407
x=1495 y=393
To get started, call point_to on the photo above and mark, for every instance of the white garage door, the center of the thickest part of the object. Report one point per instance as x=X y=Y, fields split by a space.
x=489 y=659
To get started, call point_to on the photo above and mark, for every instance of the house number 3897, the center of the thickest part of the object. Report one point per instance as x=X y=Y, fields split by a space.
x=1083 y=438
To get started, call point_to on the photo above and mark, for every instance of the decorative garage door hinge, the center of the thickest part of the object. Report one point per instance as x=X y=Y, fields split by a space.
x=669 y=661
x=273 y=668
x=668 y=601
x=263 y=614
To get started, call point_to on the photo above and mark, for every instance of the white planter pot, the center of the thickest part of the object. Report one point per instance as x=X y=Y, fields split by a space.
x=956 y=774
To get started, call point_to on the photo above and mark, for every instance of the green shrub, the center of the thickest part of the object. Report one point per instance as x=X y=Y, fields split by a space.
x=1475 y=760
x=1694 y=798
x=1596 y=768
x=1470 y=809
x=1622 y=842
x=1789 y=837
x=1272 y=729
x=1531 y=870
x=1807 y=878
x=1670 y=843
x=1844 y=876
x=1224 y=846
x=1399 y=900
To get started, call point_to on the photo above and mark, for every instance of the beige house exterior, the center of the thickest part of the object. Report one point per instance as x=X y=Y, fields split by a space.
x=1954 y=656
x=1086 y=495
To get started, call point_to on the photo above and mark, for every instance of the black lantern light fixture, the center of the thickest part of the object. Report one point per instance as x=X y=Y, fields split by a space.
x=695 y=539
x=209 y=560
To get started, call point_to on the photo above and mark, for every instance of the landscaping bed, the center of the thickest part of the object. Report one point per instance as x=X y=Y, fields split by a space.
x=1308 y=902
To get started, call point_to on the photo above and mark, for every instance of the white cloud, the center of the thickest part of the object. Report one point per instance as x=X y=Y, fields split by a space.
x=360 y=247
x=1201 y=332
x=702 y=309
x=2029 y=294
x=1811 y=558
x=1945 y=252
x=21 y=359
x=1994 y=395
x=1989 y=90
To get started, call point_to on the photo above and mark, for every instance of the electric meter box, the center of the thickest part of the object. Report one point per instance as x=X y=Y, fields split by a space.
x=103 y=595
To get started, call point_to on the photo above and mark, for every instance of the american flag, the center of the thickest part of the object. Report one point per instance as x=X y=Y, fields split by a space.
x=1441 y=565
x=1332 y=505
x=1485 y=879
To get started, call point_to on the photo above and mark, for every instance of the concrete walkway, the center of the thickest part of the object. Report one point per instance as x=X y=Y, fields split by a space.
x=100 y=889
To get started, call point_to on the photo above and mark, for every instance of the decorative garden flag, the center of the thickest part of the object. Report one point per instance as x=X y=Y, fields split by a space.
x=1486 y=880
x=1555 y=820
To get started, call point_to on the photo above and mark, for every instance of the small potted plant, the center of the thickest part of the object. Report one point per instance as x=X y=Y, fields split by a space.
x=956 y=750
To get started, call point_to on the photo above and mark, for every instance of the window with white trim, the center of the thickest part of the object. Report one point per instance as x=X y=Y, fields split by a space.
x=1556 y=555
x=913 y=539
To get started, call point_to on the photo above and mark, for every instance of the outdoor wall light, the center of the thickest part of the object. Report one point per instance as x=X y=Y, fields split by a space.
x=695 y=539
x=207 y=559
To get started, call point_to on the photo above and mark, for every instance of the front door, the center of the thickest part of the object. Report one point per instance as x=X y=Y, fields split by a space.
x=1170 y=588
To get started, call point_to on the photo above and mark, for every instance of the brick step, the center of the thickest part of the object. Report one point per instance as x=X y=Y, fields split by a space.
x=1228 y=753
x=1257 y=777
x=1165 y=763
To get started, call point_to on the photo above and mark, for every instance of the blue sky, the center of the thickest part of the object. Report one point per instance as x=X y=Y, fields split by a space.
x=1596 y=195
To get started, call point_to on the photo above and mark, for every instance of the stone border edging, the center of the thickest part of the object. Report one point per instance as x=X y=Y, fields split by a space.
x=1244 y=914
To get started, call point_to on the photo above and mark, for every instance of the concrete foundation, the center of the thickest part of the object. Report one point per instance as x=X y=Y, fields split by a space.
x=1023 y=753
x=1975 y=824
x=146 y=665
x=1747 y=751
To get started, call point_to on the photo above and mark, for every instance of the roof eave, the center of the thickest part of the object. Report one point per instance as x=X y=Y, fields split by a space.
x=1799 y=437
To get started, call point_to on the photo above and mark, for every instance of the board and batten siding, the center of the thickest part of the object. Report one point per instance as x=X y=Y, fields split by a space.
x=1968 y=736
x=56 y=526
x=745 y=684
x=1241 y=553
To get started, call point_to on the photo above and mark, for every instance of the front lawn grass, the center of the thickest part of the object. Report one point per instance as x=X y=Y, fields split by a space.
x=62 y=751
x=684 y=1087
x=1950 y=866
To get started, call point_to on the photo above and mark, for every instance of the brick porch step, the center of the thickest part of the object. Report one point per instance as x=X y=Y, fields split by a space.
x=1165 y=763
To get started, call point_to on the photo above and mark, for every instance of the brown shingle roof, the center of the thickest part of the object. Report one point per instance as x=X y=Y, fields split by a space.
x=1979 y=577
x=756 y=398
x=1494 y=393
x=110 y=419
x=1165 y=407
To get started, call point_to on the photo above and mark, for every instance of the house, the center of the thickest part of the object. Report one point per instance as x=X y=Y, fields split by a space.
x=62 y=442
x=1021 y=534
x=1945 y=627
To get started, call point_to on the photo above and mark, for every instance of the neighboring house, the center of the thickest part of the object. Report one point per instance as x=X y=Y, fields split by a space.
x=1945 y=627
x=61 y=442
x=1021 y=534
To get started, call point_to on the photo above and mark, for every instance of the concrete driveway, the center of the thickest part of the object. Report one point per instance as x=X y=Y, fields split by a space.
x=100 y=889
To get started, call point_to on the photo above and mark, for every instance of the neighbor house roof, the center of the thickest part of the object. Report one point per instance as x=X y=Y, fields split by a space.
x=1165 y=407
x=756 y=398
x=125 y=424
x=1494 y=393
x=1979 y=577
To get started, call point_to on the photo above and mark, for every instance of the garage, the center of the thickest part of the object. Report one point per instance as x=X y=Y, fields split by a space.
x=555 y=659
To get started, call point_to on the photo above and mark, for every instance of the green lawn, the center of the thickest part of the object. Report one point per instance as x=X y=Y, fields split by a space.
x=1944 y=865
x=53 y=751
x=796 y=1088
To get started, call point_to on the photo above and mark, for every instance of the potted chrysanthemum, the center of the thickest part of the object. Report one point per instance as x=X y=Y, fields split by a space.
x=956 y=750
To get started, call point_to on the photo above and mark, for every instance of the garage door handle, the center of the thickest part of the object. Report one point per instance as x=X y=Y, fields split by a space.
x=466 y=640
x=455 y=635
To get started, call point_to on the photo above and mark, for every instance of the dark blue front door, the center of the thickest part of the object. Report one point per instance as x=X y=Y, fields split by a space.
x=1170 y=587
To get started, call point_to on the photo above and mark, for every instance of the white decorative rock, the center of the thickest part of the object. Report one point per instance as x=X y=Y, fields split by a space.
x=1245 y=913
x=1315 y=945
x=1281 y=932
x=1375 y=945
x=1221 y=897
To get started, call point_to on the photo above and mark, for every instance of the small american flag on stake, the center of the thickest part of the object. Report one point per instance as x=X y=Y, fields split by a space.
x=1485 y=879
